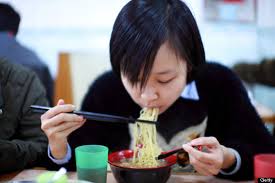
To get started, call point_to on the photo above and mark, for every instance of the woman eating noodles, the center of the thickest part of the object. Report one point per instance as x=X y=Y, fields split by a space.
x=158 y=61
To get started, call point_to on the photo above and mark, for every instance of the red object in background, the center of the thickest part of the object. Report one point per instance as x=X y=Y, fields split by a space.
x=264 y=166
x=233 y=1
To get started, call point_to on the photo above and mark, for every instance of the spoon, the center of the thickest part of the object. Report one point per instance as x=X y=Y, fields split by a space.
x=62 y=171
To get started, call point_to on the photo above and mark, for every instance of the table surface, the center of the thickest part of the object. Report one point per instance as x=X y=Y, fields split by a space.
x=28 y=174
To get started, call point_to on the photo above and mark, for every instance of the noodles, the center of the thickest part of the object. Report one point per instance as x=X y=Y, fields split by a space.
x=146 y=148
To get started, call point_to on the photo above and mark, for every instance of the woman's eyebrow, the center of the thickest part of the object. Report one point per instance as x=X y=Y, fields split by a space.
x=164 y=72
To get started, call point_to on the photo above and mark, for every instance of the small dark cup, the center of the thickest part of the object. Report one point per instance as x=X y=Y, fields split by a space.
x=137 y=175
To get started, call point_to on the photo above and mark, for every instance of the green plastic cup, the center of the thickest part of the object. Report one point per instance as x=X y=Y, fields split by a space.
x=91 y=163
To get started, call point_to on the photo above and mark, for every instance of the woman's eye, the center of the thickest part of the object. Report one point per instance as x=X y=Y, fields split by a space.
x=165 y=81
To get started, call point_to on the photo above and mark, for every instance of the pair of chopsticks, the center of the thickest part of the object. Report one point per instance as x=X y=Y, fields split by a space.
x=95 y=116
x=177 y=150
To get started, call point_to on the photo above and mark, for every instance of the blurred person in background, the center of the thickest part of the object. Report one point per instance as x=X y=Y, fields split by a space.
x=22 y=142
x=257 y=73
x=262 y=73
x=12 y=51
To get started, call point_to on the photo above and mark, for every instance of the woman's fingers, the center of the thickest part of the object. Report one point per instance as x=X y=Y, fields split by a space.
x=205 y=141
x=67 y=131
x=204 y=168
x=63 y=127
x=202 y=171
x=73 y=128
x=207 y=163
x=57 y=110
x=199 y=155
x=60 y=119
x=60 y=102
x=62 y=131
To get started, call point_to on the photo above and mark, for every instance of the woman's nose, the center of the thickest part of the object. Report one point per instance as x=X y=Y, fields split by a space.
x=148 y=95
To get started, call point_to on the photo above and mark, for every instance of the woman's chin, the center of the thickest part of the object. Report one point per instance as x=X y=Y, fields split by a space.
x=162 y=109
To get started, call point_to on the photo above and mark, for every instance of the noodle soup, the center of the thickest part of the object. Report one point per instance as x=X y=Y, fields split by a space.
x=140 y=165
x=123 y=171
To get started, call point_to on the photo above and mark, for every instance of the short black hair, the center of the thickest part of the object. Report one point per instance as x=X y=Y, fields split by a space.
x=142 y=26
x=9 y=18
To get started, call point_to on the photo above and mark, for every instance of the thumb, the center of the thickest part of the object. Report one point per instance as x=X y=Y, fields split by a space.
x=60 y=102
x=187 y=147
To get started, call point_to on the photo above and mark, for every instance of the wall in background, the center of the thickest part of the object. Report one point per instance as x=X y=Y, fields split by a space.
x=52 y=26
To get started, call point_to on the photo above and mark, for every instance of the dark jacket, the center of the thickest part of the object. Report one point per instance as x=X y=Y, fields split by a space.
x=12 y=51
x=223 y=106
x=22 y=143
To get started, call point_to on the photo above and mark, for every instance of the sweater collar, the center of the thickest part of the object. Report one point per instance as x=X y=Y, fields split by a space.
x=190 y=91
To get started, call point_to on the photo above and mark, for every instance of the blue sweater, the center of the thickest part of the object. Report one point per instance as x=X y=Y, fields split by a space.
x=223 y=111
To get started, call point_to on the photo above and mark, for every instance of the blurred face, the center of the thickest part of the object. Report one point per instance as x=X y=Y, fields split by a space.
x=165 y=84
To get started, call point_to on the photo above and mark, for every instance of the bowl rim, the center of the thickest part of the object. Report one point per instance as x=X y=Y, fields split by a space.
x=172 y=160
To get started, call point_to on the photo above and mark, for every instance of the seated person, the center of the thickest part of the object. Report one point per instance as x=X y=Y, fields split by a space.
x=257 y=73
x=262 y=73
x=158 y=61
x=22 y=142
x=13 y=51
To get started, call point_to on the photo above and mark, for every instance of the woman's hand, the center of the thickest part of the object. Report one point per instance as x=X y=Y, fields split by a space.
x=214 y=157
x=57 y=125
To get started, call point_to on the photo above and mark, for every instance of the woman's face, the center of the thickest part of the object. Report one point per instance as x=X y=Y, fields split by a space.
x=165 y=84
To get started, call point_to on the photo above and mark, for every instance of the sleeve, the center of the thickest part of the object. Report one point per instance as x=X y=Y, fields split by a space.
x=28 y=146
x=232 y=170
x=65 y=160
x=238 y=125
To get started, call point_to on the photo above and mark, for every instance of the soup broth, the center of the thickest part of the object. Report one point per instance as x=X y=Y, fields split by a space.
x=128 y=163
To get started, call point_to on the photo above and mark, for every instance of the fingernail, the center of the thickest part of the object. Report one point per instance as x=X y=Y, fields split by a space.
x=199 y=148
x=184 y=146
